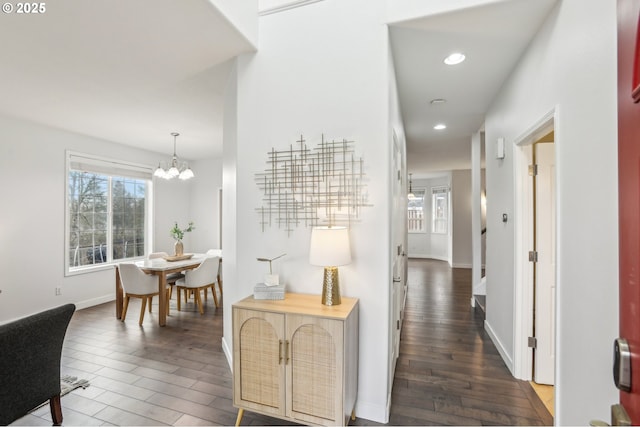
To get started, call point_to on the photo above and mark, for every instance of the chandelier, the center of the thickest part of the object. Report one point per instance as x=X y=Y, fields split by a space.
x=176 y=169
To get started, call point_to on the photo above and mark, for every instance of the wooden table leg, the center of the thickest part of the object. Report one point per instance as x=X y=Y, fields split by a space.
x=119 y=295
x=162 y=297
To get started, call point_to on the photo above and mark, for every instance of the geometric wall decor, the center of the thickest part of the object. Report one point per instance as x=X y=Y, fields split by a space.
x=303 y=186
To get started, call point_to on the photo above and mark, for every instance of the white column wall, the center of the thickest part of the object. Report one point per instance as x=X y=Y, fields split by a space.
x=570 y=65
x=320 y=69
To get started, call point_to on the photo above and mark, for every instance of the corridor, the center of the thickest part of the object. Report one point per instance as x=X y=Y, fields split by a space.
x=449 y=372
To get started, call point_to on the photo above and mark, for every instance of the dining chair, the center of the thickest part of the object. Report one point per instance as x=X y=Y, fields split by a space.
x=200 y=278
x=215 y=252
x=137 y=284
x=30 y=363
x=171 y=278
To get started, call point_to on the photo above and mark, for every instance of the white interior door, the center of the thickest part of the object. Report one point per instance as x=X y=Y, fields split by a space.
x=545 y=268
x=398 y=259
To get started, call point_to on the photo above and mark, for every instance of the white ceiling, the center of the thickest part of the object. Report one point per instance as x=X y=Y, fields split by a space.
x=126 y=71
x=135 y=71
x=493 y=37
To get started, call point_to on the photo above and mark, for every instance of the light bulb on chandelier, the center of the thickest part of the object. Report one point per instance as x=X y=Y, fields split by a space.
x=183 y=172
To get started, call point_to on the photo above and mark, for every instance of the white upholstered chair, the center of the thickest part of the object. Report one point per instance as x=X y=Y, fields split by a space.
x=200 y=278
x=215 y=252
x=137 y=284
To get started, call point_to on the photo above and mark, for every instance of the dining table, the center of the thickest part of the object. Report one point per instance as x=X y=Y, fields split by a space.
x=161 y=267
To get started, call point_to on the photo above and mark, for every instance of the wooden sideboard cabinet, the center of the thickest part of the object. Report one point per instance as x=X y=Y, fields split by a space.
x=296 y=359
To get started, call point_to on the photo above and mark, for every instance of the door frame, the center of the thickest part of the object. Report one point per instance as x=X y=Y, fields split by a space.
x=523 y=296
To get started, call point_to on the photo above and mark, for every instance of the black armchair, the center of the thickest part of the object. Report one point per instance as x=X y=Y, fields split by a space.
x=31 y=348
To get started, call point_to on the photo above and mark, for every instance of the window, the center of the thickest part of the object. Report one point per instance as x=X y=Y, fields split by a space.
x=108 y=211
x=415 y=212
x=440 y=210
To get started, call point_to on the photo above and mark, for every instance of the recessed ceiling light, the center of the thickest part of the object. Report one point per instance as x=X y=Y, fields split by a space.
x=454 y=58
x=440 y=126
x=438 y=101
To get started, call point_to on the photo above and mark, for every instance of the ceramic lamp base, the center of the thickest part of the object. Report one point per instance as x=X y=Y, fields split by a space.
x=331 y=287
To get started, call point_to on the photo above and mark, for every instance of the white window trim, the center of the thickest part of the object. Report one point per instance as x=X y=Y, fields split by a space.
x=425 y=214
x=138 y=170
x=442 y=189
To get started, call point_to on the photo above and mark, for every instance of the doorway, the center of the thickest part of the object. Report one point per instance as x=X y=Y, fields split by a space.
x=535 y=225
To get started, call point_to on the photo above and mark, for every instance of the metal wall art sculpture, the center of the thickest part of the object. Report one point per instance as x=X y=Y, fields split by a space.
x=310 y=187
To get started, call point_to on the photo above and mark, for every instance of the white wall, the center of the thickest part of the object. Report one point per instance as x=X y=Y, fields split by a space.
x=461 y=219
x=203 y=204
x=427 y=244
x=571 y=65
x=321 y=68
x=32 y=170
x=243 y=15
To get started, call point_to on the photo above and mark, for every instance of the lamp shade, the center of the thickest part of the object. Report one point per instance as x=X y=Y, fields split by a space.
x=330 y=246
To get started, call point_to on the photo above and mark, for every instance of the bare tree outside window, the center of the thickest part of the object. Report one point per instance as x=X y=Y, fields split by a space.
x=95 y=236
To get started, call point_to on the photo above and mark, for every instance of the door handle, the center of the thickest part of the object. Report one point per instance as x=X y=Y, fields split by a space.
x=622 y=364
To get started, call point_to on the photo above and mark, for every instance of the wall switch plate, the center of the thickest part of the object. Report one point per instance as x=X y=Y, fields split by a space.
x=58 y=291
x=500 y=148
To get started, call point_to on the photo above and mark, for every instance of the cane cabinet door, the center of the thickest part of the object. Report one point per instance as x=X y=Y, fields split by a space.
x=257 y=361
x=314 y=373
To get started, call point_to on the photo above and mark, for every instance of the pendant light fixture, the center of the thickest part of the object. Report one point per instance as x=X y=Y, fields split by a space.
x=410 y=196
x=182 y=171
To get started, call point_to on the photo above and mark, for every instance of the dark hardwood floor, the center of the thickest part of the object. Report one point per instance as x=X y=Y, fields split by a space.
x=448 y=373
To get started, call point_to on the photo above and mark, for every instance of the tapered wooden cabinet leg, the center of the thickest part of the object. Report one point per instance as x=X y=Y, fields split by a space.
x=56 y=410
x=353 y=415
x=240 y=414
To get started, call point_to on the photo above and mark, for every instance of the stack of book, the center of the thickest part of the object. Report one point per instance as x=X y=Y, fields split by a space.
x=264 y=291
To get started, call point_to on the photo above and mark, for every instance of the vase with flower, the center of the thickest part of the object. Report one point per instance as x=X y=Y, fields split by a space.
x=178 y=234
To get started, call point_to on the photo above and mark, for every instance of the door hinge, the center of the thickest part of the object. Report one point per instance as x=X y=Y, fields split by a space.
x=397 y=324
x=533 y=256
x=533 y=342
x=533 y=170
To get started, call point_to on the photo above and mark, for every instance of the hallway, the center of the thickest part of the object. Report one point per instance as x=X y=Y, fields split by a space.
x=449 y=372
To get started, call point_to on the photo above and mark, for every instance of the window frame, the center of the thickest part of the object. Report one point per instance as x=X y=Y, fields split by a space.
x=423 y=230
x=435 y=192
x=111 y=168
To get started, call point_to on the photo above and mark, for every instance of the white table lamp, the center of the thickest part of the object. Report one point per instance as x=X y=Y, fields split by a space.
x=329 y=249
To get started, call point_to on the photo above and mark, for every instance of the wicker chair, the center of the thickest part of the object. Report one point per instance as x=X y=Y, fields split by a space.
x=30 y=363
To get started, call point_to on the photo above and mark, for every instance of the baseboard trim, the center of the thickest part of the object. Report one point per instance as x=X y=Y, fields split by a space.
x=372 y=412
x=456 y=265
x=422 y=256
x=501 y=349
x=227 y=353
x=95 y=301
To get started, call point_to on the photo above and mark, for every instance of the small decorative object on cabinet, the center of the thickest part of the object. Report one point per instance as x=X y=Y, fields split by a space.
x=271 y=279
x=296 y=359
